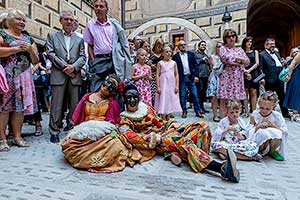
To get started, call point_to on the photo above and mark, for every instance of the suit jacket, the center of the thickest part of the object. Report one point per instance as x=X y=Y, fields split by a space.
x=268 y=65
x=192 y=65
x=120 y=51
x=57 y=52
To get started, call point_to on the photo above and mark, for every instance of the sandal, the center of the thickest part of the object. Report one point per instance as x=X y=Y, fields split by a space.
x=20 y=142
x=4 y=146
x=38 y=131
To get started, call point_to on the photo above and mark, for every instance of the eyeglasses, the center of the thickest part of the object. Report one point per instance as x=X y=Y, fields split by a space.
x=231 y=36
x=218 y=46
x=20 y=19
x=182 y=45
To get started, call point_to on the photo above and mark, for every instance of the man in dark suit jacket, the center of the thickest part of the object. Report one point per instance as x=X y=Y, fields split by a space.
x=66 y=52
x=270 y=62
x=188 y=73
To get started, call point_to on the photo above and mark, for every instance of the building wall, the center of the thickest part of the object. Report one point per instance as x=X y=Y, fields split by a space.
x=207 y=14
x=43 y=15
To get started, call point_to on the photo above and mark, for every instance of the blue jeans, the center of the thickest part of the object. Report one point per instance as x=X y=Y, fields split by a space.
x=190 y=84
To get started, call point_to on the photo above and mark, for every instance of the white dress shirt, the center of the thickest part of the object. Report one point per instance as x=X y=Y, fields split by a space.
x=67 y=42
x=185 y=63
x=275 y=58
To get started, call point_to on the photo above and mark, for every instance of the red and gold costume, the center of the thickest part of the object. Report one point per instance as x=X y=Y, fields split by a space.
x=191 y=142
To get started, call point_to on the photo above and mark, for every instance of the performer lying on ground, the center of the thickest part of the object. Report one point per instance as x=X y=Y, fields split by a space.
x=94 y=144
x=149 y=134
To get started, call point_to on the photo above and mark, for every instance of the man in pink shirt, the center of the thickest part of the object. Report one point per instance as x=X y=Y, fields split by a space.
x=107 y=47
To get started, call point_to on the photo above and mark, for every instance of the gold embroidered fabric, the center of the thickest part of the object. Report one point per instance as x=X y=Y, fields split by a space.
x=95 y=111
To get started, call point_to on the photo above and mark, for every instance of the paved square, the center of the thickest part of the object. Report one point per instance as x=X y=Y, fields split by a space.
x=41 y=173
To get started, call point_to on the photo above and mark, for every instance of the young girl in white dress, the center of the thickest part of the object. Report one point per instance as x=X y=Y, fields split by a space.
x=268 y=128
x=230 y=134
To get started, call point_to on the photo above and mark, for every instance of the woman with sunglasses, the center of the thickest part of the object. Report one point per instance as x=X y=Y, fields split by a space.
x=231 y=80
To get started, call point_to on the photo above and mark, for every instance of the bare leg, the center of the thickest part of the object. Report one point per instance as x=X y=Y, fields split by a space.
x=223 y=109
x=3 y=124
x=253 y=98
x=263 y=147
x=274 y=144
x=214 y=106
x=17 y=123
x=245 y=101
x=239 y=156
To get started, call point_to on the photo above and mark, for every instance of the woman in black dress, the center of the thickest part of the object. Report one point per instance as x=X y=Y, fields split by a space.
x=251 y=72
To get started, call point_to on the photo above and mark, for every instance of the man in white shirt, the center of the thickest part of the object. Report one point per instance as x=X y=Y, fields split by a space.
x=188 y=75
x=66 y=52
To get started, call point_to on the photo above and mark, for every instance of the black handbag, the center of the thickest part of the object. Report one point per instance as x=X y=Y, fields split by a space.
x=257 y=75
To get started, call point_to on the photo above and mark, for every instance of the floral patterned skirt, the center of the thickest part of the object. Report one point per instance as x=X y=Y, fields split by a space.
x=243 y=147
x=21 y=96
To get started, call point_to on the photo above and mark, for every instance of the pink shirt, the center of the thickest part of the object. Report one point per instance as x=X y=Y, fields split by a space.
x=99 y=35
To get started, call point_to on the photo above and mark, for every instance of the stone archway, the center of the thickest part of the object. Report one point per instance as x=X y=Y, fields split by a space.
x=279 y=19
x=178 y=21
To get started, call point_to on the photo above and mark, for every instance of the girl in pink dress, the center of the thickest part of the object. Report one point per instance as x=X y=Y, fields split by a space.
x=167 y=98
x=141 y=75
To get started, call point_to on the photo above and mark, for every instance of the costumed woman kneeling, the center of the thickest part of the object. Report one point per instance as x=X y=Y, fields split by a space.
x=95 y=144
x=149 y=134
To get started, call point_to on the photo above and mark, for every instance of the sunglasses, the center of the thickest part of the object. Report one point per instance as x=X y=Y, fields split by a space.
x=230 y=36
x=182 y=45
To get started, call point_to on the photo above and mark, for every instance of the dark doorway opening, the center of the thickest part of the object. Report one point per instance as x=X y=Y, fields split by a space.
x=279 y=19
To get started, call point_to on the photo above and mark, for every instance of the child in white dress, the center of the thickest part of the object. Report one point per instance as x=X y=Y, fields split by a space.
x=268 y=128
x=230 y=134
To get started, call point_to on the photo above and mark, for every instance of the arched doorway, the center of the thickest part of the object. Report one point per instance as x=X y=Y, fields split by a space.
x=279 y=19
x=178 y=21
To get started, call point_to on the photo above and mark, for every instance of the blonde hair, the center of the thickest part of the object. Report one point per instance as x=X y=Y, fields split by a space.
x=233 y=104
x=12 y=13
x=269 y=96
x=3 y=17
x=140 y=51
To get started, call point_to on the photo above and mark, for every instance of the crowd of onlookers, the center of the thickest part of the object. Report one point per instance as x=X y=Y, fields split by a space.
x=167 y=77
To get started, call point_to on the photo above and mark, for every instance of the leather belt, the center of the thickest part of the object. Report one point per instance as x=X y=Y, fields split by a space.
x=103 y=55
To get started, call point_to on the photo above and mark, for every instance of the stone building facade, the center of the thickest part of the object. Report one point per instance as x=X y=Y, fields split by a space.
x=172 y=20
x=206 y=14
x=43 y=15
x=279 y=19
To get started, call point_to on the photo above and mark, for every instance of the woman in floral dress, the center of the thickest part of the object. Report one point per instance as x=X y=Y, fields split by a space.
x=231 y=81
x=17 y=52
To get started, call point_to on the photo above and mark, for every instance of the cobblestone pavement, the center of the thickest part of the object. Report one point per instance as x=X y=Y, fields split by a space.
x=41 y=173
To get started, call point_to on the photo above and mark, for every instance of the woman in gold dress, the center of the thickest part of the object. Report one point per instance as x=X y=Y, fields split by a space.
x=95 y=143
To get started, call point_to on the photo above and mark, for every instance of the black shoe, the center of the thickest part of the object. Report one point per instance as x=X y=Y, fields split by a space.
x=204 y=110
x=228 y=170
x=54 y=138
x=68 y=127
x=200 y=115
x=287 y=116
x=184 y=114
